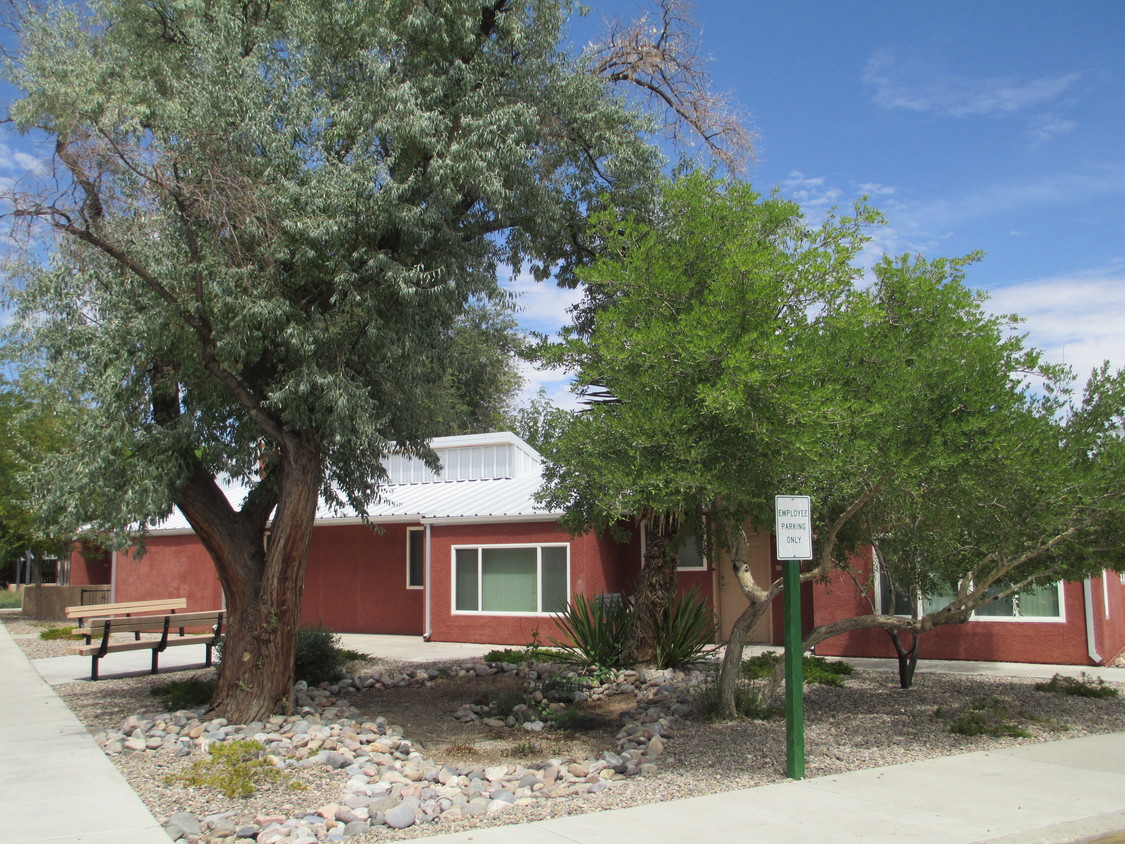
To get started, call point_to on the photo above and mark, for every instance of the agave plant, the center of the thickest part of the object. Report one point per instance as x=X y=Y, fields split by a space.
x=687 y=631
x=595 y=631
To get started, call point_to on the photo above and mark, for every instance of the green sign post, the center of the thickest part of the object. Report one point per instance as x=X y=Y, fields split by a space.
x=794 y=543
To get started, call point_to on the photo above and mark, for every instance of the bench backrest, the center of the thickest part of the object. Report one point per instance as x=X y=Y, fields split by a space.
x=127 y=608
x=149 y=623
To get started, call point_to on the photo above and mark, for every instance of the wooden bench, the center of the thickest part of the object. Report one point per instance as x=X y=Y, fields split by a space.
x=127 y=609
x=172 y=627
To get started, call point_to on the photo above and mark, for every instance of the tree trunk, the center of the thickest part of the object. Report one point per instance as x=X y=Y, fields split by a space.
x=907 y=659
x=655 y=592
x=731 y=671
x=262 y=585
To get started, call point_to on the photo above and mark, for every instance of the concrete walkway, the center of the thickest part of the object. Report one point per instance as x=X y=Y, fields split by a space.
x=57 y=786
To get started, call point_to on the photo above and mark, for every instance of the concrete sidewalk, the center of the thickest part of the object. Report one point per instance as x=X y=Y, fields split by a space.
x=57 y=786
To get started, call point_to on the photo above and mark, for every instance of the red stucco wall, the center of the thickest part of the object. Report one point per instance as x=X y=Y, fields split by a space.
x=356 y=582
x=171 y=567
x=999 y=641
x=89 y=565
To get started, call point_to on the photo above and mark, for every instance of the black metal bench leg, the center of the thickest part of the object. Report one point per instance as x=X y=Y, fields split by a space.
x=94 y=667
x=208 y=662
x=155 y=660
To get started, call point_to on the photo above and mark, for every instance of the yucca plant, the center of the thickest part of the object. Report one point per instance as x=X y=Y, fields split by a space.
x=687 y=631
x=595 y=630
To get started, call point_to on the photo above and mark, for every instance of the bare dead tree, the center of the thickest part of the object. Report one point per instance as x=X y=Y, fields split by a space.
x=658 y=56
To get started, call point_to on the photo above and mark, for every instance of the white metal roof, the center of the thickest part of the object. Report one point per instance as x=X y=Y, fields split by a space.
x=429 y=497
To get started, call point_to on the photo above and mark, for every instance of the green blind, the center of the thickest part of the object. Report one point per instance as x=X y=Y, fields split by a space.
x=467 y=578
x=554 y=579
x=508 y=579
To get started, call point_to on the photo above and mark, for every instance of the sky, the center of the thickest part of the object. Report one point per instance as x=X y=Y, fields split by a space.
x=988 y=125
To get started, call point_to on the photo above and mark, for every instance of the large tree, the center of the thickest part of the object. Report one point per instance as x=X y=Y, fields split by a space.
x=734 y=355
x=265 y=216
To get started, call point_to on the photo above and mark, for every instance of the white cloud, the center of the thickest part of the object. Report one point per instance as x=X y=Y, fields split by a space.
x=18 y=161
x=1046 y=127
x=810 y=192
x=1077 y=319
x=915 y=86
x=541 y=306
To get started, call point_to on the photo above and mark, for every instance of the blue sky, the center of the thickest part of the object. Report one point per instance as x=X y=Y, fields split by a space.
x=989 y=125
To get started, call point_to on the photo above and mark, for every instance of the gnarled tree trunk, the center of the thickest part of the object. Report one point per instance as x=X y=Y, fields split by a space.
x=655 y=592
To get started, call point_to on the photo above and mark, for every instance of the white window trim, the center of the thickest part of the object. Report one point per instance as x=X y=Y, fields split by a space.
x=1105 y=590
x=538 y=546
x=409 y=531
x=706 y=564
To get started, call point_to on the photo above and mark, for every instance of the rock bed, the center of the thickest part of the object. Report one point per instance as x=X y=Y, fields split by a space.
x=384 y=780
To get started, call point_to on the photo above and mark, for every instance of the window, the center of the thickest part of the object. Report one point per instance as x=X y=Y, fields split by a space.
x=690 y=551
x=1041 y=604
x=520 y=579
x=415 y=558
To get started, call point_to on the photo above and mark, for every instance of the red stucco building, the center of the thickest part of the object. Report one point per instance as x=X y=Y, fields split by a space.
x=466 y=554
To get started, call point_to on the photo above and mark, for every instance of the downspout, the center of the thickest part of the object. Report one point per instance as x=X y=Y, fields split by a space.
x=1091 y=644
x=427 y=590
x=113 y=577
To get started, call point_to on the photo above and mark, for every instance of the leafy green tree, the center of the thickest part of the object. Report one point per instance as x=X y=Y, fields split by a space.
x=265 y=216
x=538 y=421
x=736 y=356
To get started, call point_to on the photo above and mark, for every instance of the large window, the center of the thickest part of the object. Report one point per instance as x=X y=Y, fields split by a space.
x=1042 y=604
x=522 y=579
x=415 y=558
x=689 y=548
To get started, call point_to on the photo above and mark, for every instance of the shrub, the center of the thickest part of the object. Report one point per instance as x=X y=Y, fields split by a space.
x=10 y=600
x=686 y=632
x=596 y=630
x=1082 y=686
x=746 y=702
x=986 y=717
x=233 y=767
x=184 y=694
x=319 y=657
x=54 y=633
x=816 y=669
x=518 y=656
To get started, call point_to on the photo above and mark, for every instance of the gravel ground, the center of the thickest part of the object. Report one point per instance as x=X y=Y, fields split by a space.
x=869 y=722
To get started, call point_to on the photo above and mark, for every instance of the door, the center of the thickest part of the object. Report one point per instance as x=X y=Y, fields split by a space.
x=732 y=601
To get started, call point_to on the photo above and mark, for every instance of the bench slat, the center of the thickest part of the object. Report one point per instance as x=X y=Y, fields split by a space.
x=94 y=626
x=161 y=606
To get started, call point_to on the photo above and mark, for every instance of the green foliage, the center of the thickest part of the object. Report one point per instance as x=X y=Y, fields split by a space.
x=53 y=633
x=184 y=694
x=517 y=656
x=504 y=702
x=686 y=632
x=1083 y=686
x=10 y=600
x=525 y=749
x=816 y=669
x=234 y=768
x=990 y=716
x=747 y=703
x=319 y=657
x=595 y=631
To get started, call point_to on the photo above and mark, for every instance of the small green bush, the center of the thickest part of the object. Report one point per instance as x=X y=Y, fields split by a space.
x=746 y=703
x=520 y=656
x=596 y=632
x=1082 y=686
x=319 y=657
x=184 y=694
x=990 y=716
x=10 y=600
x=503 y=702
x=54 y=633
x=235 y=768
x=816 y=669
x=686 y=632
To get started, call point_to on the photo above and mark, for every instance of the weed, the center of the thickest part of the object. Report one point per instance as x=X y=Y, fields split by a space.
x=461 y=749
x=54 y=633
x=525 y=749
x=746 y=703
x=569 y=719
x=518 y=656
x=234 y=768
x=503 y=702
x=319 y=657
x=1081 y=686
x=184 y=694
x=816 y=669
x=990 y=716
